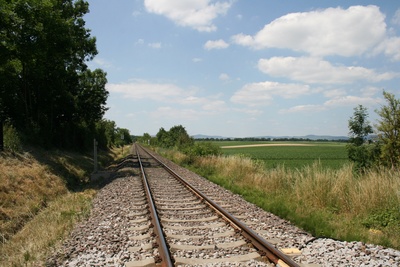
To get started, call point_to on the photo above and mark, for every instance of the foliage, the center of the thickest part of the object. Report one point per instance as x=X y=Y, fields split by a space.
x=359 y=126
x=362 y=153
x=12 y=140
x=47 y=92
x=176 y=137
x=204 y=149
x=389 y=130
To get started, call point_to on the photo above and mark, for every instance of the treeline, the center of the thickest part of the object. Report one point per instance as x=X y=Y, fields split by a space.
x=48 y=96
x=178 y=138
x=267 y=139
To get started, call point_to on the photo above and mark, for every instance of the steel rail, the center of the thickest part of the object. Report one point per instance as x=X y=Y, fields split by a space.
x=166 y=258
x=272 y=253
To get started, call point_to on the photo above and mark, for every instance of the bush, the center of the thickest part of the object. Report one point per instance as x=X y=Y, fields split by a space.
x=12 y=140
x=203 y=149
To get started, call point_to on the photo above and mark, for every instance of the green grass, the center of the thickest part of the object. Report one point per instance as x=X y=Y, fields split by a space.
x=330 y=155
x=337 y=203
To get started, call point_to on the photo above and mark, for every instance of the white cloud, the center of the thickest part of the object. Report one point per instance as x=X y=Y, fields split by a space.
x=336 y=102
x=390 y=47
x=218 y=44
x=224 y=77
x=262 y=93
x=139 y=42
x=396 y=17
x=350 y=101
x=153 y=91
x=176 y=114
x=334 y=93
x=315 y=70
x=332 y=31
x=198 y=14
x=155 y=45
x=303 y=108
x=167 y=93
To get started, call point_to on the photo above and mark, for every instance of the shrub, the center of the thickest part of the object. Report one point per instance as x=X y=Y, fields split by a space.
x=12 y=141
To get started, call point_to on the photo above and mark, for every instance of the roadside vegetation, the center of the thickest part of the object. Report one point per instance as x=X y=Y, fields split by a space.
x=43 y=193
x=337 y=203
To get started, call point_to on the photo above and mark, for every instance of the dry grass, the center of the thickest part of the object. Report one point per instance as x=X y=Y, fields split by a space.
x=26 y=187
x=32 y=243
x=37 y=206
x=362 y=207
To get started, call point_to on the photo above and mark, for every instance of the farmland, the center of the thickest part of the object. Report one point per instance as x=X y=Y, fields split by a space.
x=292 y=155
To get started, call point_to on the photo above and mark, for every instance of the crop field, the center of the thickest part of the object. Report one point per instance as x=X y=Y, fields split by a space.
x=292 y=155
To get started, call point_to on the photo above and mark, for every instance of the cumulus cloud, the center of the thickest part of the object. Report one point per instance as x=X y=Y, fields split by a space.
x=262 y=93
x=390 y=47
x=332 y=31
x=340 y=101
x=218 y=44
x=167 y=93
x=315 y=70
x=153 y=91
x=198 y=14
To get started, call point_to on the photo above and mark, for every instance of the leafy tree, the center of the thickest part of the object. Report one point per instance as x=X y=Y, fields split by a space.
x=123 y=137
x=389 y=130
x=361 y=153
x=180 y=138
x=162 y=137
x=105 y=133
x=46 y=90
x=359 y=126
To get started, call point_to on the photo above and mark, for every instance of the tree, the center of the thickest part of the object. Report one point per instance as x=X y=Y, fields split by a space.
x=361 y=153
x=359 y=126
x=389 y=130
x=180 y=138
x=46 y=90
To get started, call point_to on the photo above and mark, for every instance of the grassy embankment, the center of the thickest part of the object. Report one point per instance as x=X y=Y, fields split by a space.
x=333 y=202
x=42 y=195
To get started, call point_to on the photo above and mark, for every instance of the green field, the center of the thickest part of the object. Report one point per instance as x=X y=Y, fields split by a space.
x=291 y=154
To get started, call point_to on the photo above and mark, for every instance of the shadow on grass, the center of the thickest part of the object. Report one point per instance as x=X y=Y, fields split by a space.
x=74 y=168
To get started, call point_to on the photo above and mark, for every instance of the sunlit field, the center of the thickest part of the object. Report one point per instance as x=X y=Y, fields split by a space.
x=291 y=155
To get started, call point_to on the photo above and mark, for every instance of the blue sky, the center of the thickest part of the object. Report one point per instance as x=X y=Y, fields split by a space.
x=245 y=68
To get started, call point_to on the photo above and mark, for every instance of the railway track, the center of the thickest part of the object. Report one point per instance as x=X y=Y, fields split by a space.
x=120 y=231
x=175 y=224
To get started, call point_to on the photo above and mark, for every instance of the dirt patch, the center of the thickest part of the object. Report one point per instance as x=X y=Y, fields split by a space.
x=259 y=145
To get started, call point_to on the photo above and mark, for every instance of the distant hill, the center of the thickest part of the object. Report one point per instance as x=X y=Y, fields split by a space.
x=310 y=137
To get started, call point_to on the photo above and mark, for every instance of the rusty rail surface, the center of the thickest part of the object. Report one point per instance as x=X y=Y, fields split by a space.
x=264 y=247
